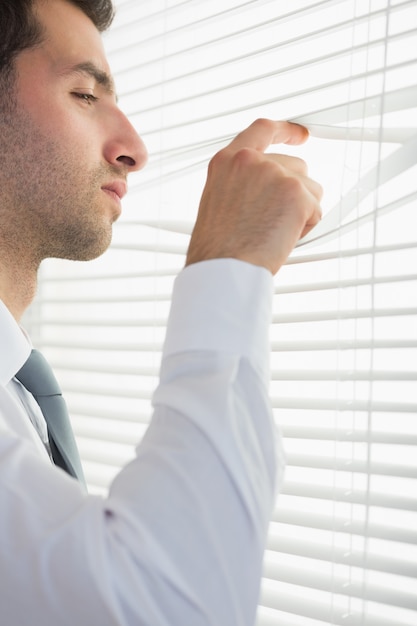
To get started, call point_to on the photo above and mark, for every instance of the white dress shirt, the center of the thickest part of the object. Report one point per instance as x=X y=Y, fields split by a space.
x=179 y=540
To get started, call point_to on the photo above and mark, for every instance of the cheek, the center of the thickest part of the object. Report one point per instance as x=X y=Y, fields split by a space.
x=59 y=165
x=61 y=123
x=62 y=149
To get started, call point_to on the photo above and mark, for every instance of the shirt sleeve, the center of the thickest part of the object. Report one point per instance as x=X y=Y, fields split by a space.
x=181 y=535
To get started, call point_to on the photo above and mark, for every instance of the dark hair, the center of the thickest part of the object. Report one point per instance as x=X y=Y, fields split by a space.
x=20 y=29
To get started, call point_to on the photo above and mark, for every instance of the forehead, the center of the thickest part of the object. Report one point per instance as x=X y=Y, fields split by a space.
x=69 y=37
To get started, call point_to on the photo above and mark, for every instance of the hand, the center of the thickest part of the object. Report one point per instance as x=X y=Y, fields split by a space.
x=256 y=206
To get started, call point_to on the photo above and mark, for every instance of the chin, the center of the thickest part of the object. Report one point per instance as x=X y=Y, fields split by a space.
x=80 y=247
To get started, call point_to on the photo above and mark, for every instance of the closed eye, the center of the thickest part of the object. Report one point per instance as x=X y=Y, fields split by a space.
x=87 y=97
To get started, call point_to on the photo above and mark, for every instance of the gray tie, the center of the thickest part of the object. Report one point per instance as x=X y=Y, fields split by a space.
x=37 y=376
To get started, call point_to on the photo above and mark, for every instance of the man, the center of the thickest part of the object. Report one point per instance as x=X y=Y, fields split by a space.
x=180 y=538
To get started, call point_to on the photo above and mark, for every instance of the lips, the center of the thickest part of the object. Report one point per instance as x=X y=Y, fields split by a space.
x=118 y=188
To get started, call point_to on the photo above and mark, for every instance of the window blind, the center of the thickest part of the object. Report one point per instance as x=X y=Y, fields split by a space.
x=341 y=547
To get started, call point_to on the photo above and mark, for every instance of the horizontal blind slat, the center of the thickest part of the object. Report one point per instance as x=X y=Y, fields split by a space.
x=349 y=435
x=388 y=501
x=349 y=465
x=341 y=556
x=343 y=344
x=129 y=297
x=340 y=314
x=280 y=318
x=330 y=611
x=371 y=529
x=311 y=578
x=343 y=375
x=338 y=404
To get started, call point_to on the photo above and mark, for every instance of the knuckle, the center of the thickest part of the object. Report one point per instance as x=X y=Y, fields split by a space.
x=294 y=164
x=293 y=187
x=301 y=165
x=264 y=124
x=219 y=159
x=245 y=157
x=319 y=191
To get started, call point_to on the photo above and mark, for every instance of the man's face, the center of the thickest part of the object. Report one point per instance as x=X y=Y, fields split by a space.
x=65 y=147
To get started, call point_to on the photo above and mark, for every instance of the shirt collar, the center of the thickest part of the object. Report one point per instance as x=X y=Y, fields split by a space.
x=14 y=346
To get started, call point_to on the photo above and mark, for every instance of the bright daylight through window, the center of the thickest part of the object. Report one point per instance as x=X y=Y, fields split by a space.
x=190 y=74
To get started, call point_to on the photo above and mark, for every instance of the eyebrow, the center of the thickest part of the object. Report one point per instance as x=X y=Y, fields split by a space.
x=90 y=69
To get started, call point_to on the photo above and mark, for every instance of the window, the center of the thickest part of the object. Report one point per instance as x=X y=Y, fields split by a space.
x=342 y=541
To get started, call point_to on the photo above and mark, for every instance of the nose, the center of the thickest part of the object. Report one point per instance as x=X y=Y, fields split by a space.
x=126 y=146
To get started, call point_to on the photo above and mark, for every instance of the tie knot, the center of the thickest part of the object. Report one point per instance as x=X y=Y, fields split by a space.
x=37 y=376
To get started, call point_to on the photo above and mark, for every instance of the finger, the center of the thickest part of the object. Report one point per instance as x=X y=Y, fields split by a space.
x=297 y=166
x=262 y=133
x=314 y=219
x=290 y=163
x=313 y=187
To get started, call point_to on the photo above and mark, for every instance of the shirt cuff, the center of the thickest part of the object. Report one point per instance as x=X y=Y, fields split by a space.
x=221 y=305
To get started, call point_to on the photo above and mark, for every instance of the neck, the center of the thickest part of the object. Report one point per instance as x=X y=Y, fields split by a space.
x=17 y=285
